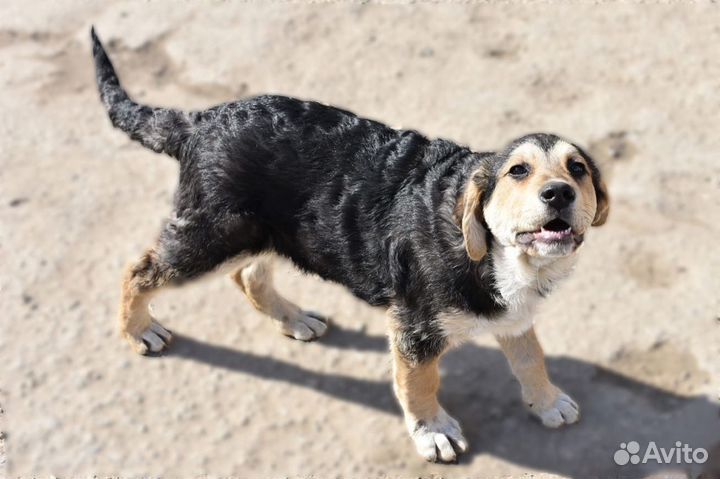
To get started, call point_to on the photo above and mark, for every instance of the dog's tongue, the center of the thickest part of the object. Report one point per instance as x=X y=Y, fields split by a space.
x=549 y=235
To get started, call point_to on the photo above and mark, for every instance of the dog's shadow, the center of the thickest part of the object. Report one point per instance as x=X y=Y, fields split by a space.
x=479 y=390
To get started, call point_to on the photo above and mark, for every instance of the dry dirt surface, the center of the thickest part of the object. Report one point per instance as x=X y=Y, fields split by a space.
x=634 y=335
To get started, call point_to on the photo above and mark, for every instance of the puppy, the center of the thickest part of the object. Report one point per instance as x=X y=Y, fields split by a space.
x=452 y=242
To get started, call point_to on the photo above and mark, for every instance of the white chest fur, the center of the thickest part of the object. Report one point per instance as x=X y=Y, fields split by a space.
x=521 y=281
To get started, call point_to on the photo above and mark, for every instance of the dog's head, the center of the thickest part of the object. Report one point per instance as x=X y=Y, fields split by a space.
x=540 y=194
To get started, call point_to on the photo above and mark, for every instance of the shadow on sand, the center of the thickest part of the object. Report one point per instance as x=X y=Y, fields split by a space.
x=479 y=390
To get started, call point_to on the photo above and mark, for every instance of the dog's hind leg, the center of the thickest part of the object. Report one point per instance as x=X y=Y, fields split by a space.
x=141 y=281
x=255 y=280
x=188 y=247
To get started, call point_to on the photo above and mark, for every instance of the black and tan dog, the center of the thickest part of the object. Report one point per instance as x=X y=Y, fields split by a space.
x=450 y=241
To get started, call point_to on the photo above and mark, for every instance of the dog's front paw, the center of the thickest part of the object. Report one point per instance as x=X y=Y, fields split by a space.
x=305 y=326
x=439 y=438
x=154 y=339
x=554 y=408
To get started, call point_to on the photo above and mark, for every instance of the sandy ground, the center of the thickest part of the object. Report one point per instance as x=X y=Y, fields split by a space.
x=634 y=335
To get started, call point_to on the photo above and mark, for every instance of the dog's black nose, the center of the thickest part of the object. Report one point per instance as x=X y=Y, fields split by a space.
x=557 y=194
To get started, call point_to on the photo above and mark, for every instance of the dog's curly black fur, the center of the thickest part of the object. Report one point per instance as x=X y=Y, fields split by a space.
x=347 y=198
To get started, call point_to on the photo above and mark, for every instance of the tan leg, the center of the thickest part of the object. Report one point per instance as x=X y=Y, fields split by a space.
x=527 y=361
x=137 y=326
x=255 y=279
x=432 y=429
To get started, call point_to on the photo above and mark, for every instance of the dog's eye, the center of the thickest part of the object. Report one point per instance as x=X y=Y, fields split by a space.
x=576 y=168
x=519 y=171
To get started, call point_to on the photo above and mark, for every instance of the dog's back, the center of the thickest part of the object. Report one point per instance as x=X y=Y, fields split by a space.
x=333 y=192
x=318 y=184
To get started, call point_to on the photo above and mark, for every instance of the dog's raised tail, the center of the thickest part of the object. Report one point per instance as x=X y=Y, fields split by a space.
x=163 y=130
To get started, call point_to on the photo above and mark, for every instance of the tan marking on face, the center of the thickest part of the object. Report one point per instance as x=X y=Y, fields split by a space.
x=562 y=154
x=515 y=205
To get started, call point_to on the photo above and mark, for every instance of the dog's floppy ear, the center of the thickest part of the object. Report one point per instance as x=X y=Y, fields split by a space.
x=601 y=192
x=472 y=221
x=601 y=196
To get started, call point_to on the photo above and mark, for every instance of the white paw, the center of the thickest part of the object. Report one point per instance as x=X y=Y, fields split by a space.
x=154 y=339
x=438 y=439
x=305 y=326
x=561 y=409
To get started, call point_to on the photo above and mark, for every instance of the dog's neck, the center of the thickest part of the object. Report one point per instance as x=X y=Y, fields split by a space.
x=518 y=276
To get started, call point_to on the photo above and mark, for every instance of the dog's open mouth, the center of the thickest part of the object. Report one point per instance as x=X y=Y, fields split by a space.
x=555 y=230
